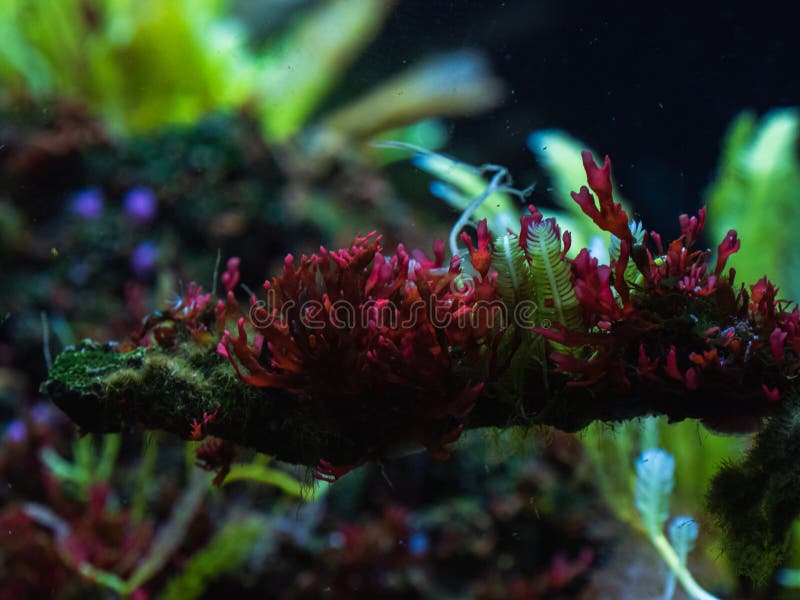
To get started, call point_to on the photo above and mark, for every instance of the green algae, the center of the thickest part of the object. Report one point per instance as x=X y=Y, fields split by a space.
x=105 y=391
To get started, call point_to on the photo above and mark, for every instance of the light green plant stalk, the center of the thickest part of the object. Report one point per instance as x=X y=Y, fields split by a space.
x=457 y=83
x=293 y=79
x=167 y=539
x=263 y=474
x=226 y=552
x=699 y=452
x=464 y=188
x=144 y=477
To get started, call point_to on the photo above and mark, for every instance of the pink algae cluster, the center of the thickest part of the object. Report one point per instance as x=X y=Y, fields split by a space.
x=677 y=282
x=370 y=338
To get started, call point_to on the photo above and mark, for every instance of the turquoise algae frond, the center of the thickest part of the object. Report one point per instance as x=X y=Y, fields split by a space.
x=551 y=274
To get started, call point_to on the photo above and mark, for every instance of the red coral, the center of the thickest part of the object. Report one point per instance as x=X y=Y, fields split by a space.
x=777 y=340
x=591 y=370
x=216 y=454
x=680 y=263
x=729 y=245
x=230 y=278
x=772 y=394
x=647 y=367
x=481 y=257
x=692 y=378
x=707 y=360
x=763 y=299
x=371 y=338
x=189 y=311
x=619 y=319
x=200 y=429
x=671 y=367
x=593 y=290
x=695 y=281
x=534 y=218
x=257 y=375
x=691 y=227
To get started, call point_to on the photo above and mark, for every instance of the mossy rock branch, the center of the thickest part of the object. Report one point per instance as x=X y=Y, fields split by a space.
x=105 y=391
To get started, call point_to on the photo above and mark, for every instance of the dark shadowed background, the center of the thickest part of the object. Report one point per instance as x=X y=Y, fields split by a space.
x=652 y=84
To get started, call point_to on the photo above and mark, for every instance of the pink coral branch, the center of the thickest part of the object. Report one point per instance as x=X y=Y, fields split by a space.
x=610 y=216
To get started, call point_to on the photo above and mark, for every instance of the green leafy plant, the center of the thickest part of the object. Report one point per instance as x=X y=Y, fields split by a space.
x=142 y=64
x=137 y=63
x=87 y=467
x=261 y=473
x=551 y=276
x=757 y=192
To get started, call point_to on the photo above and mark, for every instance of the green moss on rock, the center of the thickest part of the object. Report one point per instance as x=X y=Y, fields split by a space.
x=90 y=363
x=105 y=391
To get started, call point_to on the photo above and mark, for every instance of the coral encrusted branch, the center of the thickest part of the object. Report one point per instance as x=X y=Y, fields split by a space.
x=357 y=354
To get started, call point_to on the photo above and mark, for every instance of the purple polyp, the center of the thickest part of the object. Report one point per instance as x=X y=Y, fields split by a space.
x=41 y=413
x=88 y=204
x=144 y=257
x=16 y=431
x=141 y=204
